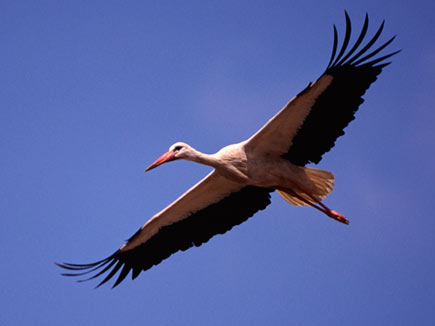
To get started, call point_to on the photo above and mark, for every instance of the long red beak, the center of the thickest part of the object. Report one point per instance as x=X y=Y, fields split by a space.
x=167 y=157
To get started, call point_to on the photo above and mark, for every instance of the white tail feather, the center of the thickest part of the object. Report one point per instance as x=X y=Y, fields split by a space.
x=319 y=183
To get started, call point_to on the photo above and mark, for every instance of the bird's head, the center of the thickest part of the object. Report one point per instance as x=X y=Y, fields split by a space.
x=177 y=151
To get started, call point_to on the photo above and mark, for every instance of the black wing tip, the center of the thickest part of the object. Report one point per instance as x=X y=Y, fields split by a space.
x=100 y=267
x=344 y=59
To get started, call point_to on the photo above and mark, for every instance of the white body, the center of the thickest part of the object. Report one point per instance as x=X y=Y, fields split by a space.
x=255 y=162
x=237 y=163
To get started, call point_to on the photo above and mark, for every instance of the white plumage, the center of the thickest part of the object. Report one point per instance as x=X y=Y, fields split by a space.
x=246 y=173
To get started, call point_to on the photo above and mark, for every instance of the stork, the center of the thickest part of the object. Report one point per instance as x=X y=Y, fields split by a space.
x=245 y=174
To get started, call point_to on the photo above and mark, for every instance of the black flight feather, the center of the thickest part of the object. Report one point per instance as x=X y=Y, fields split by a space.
x=336 y=106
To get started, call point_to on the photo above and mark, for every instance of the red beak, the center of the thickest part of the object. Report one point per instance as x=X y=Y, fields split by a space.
x=167 y=157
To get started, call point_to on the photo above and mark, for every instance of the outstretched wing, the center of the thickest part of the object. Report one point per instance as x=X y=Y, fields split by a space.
x=213 y=206
x=309 y=124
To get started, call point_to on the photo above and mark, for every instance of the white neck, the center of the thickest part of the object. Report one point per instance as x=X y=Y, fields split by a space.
x=206 y=159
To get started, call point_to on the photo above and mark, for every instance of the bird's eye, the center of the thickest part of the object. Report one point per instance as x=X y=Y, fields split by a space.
x=176 y=149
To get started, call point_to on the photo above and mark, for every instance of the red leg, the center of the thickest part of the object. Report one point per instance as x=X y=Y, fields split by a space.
x=331 y=213
x=322 y=207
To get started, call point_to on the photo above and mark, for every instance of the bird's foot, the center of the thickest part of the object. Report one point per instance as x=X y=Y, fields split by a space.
x=338 y=217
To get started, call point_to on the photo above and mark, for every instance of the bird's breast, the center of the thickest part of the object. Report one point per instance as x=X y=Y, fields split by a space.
x=233 y=163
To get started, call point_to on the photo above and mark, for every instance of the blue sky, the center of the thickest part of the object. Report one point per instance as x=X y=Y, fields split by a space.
x=92 y=92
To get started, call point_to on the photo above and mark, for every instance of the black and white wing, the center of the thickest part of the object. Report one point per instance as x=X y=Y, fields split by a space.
x=213 y=206
x=309 y=124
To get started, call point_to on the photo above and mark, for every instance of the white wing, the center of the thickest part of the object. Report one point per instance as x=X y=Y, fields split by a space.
x=276 y=136
x=213 y=206
x=210 y=190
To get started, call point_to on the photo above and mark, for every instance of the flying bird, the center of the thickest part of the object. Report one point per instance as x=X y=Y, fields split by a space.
x=245 y=174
